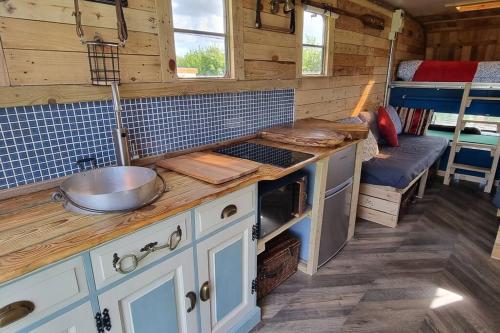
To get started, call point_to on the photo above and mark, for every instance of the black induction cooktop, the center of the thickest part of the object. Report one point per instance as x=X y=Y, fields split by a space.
x=279 y=157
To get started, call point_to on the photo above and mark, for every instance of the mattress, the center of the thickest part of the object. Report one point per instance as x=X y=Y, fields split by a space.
x=449 y=71
x=398 y=166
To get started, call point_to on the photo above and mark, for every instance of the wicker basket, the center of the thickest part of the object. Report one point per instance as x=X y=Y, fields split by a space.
x=277 y=263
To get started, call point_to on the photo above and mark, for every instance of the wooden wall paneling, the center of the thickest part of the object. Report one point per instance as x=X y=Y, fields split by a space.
x=166 y=40
x=39 y=35
x=331 y=46
x=267 y=70
x=34 y=67
x=452 y=37
x=359 y=65
x=42 y=49
x=299 y=35
x=47 y=94
x=236 y=40
x=4 y=73
x=60 y=11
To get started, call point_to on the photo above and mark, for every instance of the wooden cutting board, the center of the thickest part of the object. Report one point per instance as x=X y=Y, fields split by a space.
x=210 y=167
x=315 y=132
x=350 y=131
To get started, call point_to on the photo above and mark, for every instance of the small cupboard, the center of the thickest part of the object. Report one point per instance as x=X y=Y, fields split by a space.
x=163 y=278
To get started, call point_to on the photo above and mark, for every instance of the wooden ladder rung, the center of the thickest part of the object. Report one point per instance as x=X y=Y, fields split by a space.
x=491 y=122
x=479 y=98
x=471 y=168
x=473 y=145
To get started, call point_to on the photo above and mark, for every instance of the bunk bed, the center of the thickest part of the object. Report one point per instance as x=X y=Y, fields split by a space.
x=449 y=87
x=464 y=88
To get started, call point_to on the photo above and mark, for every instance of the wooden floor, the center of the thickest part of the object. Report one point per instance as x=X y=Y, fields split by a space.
x=433 y=273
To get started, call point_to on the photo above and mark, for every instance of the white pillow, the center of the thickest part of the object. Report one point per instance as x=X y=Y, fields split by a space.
x=370 y=147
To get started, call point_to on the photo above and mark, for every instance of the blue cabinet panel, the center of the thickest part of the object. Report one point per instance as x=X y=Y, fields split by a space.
x=156 y=311
x=228 y=278
x=302 y=231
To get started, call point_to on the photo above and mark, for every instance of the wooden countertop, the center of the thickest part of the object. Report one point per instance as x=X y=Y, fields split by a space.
x=35 y=232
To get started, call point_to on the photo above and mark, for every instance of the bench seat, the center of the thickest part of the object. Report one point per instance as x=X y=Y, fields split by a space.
x=399 y=166
x=390 y=174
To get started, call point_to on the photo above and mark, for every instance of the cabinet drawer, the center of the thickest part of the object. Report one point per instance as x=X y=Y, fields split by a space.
x=160 y=233
x=49 y=290
x=216 y=214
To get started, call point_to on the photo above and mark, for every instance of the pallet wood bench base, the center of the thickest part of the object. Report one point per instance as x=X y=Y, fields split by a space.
x=381 y=204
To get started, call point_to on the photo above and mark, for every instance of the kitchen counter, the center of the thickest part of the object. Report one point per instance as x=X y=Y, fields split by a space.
x=35 y=232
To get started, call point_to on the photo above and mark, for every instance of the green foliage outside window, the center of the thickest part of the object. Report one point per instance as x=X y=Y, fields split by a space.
x=210 y=61
x=312 y=57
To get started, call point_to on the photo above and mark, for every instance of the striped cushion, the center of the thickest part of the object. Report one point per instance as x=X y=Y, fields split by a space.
x=415 y=121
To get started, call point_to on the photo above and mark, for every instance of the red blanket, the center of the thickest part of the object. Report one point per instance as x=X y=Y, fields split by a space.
x=446 y=71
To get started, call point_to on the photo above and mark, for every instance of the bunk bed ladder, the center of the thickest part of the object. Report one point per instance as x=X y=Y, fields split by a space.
x=456 y=145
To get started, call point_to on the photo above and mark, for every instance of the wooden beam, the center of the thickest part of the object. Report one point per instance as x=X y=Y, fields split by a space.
x=166 y=40
x=236 y=39
x=355 y=189
x=34 y=95
x=4 y=73
x=317 y=214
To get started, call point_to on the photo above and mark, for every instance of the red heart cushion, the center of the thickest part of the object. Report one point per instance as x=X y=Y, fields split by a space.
x=387 y=128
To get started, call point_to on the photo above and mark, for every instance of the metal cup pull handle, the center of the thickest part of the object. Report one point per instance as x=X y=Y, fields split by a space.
x=15 y=311
x=192 y=299
x=205 y=291
x=175 y=238
x=228 y=211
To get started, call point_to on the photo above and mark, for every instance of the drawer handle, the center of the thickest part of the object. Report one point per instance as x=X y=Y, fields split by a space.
x=205 y=291
x=15 y=311
x=228 y=211
x=118 y=263
x=192 y=299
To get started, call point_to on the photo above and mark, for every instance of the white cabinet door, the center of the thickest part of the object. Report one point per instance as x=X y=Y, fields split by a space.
x=227 y=266
x=79 y=320
x=155 y=300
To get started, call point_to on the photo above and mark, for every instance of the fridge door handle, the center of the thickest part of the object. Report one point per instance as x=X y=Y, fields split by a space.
x=338 y=189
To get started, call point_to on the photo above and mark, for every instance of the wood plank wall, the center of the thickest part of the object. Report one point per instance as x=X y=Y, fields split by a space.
x=452 y=37
x=360 y=61
x=42 y=60
x=410 y=43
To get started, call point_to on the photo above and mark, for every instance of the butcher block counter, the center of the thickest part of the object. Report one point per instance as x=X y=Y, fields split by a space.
x=35 y=232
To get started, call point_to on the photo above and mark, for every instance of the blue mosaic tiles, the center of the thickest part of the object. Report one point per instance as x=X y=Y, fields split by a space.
x=43 y=142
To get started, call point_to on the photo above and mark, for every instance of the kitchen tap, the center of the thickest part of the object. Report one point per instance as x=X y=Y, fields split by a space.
x=120 y=134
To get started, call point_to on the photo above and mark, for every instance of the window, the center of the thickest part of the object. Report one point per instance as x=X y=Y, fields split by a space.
x=200 y=36
x=450 y=119
x=314 y=44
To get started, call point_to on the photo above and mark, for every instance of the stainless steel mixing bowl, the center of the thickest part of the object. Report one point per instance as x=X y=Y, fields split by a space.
x=111 y=189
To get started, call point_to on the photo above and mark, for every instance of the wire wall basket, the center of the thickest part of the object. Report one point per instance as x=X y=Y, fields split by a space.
x=104 y=62
x=104 y=57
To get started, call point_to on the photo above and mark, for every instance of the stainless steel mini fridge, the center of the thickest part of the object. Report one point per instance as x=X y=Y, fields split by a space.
x=336 y=211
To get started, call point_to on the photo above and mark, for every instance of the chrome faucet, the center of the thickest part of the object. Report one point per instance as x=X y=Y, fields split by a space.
x=120 y=134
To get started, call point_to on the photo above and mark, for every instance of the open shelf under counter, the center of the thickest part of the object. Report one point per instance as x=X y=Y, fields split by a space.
x=261 y=245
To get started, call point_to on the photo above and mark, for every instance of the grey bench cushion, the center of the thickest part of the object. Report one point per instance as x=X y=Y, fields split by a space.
x=398 y=166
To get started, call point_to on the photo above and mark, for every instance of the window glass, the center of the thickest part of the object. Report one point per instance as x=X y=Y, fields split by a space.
x=450 y=119
x=200 y=38
x=314 y=44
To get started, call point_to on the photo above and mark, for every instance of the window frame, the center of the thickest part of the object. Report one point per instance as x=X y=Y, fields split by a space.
x=324 y=46
x=468 y=119
x=227 y=43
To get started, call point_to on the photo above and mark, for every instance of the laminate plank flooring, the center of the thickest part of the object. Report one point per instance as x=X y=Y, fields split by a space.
x=433 y=273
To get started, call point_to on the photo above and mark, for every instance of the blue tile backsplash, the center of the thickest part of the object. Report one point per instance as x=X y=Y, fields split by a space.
x=43 y=142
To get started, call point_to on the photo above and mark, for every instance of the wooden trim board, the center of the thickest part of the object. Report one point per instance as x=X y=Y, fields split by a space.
x=317 y=214
x=261 y=244
x=355 y=189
